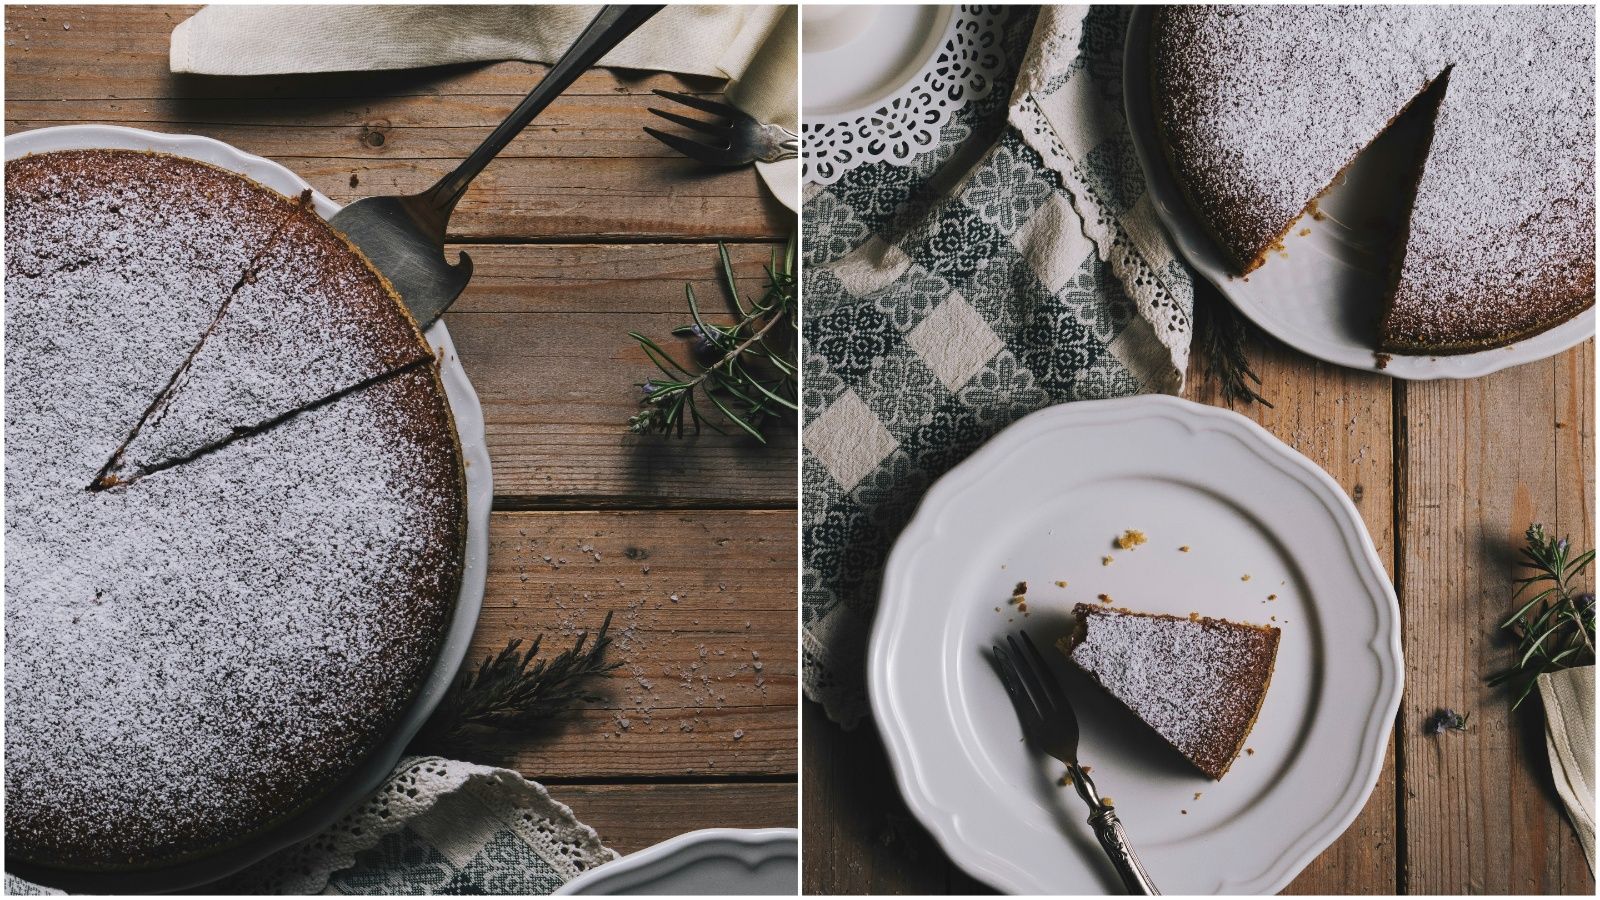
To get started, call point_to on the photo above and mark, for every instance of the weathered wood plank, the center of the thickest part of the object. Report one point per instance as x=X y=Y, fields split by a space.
x=543 y=334
x=586 y=171
x=631 y=817
x=704 y=626
x=1485 y=460
x=1342 y=420
x=859 y=837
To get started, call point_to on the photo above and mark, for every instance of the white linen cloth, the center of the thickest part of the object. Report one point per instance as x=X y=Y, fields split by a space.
x=754 y=47
x=1569 y=735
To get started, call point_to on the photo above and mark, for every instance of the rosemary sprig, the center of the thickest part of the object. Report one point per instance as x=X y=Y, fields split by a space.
x=511 y=691
x=1222 y=333
x=1555 y=627
x=746 y=373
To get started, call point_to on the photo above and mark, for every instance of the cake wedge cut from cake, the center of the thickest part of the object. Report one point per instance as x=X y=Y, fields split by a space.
x=1261 y=110
x=310 y=322
x=1198 y=682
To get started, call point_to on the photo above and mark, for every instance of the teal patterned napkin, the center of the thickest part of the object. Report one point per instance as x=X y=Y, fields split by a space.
x=1016 y=265
x=437 y=826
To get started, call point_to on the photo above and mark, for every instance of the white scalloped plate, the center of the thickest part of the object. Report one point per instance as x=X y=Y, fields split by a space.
x=1041 y=503
x=737 y=862
x=1322 y=294
x=480 y=494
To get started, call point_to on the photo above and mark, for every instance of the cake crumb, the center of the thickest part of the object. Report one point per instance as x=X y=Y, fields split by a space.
x=1250 y=751
x=1107 y=802
x=1130 y=539
x=1061 y=584
x=1245 y=577
x=1105 y=560
x=1272 y=596
x=1065 y=779
x=1184 y=811
x=1020 y=589
x=1184 y=549
x=1105 y=598
x=1197 y=795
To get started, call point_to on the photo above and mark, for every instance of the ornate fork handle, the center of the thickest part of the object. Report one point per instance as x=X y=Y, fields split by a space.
x=778 y=143
x=1113 y=839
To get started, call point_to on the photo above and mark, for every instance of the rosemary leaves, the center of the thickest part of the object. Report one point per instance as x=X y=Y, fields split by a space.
x=745 y=375
x=511 y=691
x=1555 y=628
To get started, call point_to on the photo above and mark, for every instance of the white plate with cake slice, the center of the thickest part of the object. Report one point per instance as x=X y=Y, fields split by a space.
x=468 y=414
x=1270 y=539
x=1323 y=292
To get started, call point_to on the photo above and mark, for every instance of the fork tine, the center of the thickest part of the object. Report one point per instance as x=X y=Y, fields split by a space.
x=1030 y=679
x=1058 y=700
x=714 y=155
x=1031 y=719
x=715 y=128
x=700 y=103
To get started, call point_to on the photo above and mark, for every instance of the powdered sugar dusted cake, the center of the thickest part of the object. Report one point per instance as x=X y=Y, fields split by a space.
x=1261 y=108
x=310 y=320
x=1198 y=682
x=194 y=656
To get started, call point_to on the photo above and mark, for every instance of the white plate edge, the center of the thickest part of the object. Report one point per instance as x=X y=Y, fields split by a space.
x=1385 y=646
x=774 y=840
x=465 y=409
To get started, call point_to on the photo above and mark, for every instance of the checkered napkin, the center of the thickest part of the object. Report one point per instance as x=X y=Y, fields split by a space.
x=1016 y=265
x=437 y=826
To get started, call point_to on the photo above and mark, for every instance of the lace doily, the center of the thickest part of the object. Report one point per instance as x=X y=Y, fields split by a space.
x=502 y=801
x=1132 y=241
x=908 y=123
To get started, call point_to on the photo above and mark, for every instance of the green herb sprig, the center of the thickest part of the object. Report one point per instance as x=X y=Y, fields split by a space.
x=511 y=691
x=1555 y=627
x=1222 y=335
x=745 y=374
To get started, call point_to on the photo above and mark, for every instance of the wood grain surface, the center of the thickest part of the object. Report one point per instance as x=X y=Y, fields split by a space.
x=1446 y=476
x=584 y=229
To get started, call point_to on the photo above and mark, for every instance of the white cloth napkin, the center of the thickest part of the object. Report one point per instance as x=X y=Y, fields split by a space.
x=1568 y=697
x=756 y=47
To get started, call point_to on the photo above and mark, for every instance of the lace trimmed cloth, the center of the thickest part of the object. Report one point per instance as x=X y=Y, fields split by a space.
x=1016 y=265
x=437 y=826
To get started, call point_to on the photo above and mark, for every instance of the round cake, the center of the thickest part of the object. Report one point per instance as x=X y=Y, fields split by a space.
x=194 y=656
x=1261 y=109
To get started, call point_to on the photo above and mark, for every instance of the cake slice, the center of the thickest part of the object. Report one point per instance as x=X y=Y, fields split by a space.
x=1198 y=682
x=310 y=322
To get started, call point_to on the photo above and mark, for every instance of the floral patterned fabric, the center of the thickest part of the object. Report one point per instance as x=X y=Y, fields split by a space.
x=1015 y=266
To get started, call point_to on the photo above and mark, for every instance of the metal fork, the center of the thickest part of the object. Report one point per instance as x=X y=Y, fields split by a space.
x=1048 y=721
x=739 y=141
x=404 y=236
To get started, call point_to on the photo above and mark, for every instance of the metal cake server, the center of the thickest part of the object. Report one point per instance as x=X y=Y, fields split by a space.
x=1049 y=722
x=404 y=236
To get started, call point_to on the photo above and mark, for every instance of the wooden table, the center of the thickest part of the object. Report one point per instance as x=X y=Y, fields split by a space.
x=583 y=229
x=1447 y=476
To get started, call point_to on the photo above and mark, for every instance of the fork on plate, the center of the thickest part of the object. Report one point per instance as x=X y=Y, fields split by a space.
x=1049 y=722
x=738 y=140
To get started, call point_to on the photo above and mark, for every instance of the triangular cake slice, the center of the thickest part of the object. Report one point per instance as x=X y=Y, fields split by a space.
x=311 y=322
x=1198 y=682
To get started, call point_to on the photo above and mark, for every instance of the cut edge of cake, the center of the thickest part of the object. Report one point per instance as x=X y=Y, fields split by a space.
x=112 y=474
